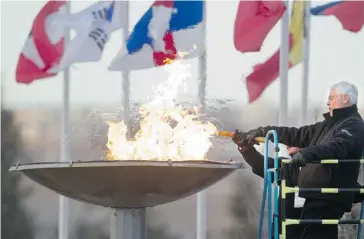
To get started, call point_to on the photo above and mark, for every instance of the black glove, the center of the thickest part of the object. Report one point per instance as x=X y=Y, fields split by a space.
x=252 y=134
x=240 y=138
x=298 y=160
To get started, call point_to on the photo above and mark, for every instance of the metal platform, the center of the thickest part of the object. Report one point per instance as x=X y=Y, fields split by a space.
x=128 y=183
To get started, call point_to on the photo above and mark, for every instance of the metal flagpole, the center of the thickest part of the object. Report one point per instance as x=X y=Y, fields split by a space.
x=306 y=57
x=65 y=139
x=283 y=67
x=125 y=73
x=201 y=196
x=123 y=223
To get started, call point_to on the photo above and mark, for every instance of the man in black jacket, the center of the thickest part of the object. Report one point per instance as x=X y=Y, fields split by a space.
x=256 y=161
x=339 y=136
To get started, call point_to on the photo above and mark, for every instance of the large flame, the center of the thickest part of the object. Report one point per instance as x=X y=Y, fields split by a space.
x=167 y=131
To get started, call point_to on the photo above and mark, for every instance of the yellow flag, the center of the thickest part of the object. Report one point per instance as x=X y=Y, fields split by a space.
x=297 y=32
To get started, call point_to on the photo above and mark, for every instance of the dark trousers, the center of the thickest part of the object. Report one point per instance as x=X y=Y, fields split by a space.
x=316 y=209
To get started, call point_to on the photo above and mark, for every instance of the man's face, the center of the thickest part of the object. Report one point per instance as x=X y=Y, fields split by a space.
x=336 y=101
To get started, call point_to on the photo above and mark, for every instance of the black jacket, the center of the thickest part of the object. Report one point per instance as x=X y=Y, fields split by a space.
x=337 y=137
x=256 y=161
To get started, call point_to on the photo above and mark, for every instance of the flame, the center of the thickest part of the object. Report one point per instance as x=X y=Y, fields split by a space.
x=167 y=131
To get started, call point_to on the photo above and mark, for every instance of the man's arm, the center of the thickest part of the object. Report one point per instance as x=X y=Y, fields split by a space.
x=347 y=138
x=294 y=137
x=255 y=159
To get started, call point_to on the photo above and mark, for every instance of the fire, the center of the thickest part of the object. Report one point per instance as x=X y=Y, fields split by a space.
x=167 y=130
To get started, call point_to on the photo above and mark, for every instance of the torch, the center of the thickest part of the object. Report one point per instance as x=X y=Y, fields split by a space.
x=230 y=134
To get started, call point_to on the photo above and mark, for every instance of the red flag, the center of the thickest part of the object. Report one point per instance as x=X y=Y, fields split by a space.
x=44 y=47
x=349 y=13
x=253 y=22
x=264 y=74
x=168 y=4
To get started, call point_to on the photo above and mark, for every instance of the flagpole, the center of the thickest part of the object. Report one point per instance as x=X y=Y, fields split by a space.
x=125 y=73
x=65 y=139
x=122 y=222
x=201 y=196
x=283 y=67
x=306 y=61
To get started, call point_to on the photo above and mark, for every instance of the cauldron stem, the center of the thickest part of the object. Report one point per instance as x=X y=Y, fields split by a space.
x=128 y=223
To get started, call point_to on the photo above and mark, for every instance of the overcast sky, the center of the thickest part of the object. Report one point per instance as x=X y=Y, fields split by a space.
x=335 y=55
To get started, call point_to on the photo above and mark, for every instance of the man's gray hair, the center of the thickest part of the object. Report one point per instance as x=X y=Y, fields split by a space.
x=344 y=87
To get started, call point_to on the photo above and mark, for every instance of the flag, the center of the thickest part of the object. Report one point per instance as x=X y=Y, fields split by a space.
x=264 y=74
x=93 y=27
x=85 y=18
x=349 y=13
x=253 y=22
x=168 y=30
x=44 y=46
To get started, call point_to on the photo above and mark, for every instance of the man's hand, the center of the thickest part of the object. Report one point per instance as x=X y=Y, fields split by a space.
x=298 y=160
x=293 y=150
x=240 y=138
x=252 y=134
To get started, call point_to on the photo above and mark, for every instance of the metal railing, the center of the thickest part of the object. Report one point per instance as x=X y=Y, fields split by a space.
x=267 y=192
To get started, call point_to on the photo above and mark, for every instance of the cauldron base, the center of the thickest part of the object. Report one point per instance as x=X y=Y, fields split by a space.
x=128 y=224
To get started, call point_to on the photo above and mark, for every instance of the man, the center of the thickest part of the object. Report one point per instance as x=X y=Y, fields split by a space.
x=339 y=136
x=256 y=161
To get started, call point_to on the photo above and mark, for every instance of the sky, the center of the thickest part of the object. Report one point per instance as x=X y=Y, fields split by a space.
x=335 y=55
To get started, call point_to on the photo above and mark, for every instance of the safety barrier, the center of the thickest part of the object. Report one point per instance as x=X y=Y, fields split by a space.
x=267 y=192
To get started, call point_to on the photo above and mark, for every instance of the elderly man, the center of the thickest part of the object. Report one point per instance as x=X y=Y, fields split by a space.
x=256 y=161
x=339 y=136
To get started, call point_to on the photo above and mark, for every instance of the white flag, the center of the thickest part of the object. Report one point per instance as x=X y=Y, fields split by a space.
x=93 y=27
